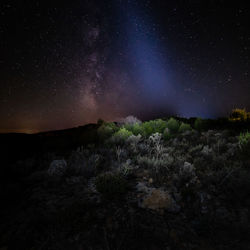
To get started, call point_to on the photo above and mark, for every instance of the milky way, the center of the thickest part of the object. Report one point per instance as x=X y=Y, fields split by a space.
x=65 y=64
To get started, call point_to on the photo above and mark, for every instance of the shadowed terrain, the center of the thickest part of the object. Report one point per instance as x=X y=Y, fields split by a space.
x=170 y=183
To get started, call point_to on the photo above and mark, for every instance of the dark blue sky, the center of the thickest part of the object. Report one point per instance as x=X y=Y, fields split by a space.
x=64 y=64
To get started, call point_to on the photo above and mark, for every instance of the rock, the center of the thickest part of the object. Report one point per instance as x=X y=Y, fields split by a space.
x=57 y=168
x=150 y=180
x=159 y=200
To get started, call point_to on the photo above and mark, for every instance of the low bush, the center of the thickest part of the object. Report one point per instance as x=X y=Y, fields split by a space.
x=199 y=124
x=131 y=120
x=135 y=128
x=133 y=142
x=120 y=136
x=184 y=127
x=106 y=130
x=100 y=122
x=147 y=129
x=111 y=185
x=244 y=139
x=149 y=162
x=173 y=125
x=167 y=135
x=159 y=125
x=152 y=127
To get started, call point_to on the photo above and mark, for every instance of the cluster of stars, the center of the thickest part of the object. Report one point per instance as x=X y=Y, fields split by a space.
x=64 y=64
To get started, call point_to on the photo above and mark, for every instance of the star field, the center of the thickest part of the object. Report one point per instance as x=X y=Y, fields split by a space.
x=65 y=64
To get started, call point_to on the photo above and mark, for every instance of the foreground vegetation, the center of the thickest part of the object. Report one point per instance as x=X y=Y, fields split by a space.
x=160 y=184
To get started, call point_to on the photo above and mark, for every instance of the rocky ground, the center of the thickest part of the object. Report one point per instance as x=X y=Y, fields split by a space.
x=189 y=192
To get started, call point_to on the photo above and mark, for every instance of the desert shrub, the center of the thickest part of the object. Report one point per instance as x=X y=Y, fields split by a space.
x=131 y=120
x=184 y=127
x=76 y=162
x=153 y=162
x=126 y=168
x=157 y=147
x=57 y=168
x=133 y=141
x=135 y=128
x=199 y=124
x=238 y=115
x=80 y=162
x=166 y=134
x=159 y=125
x=244 y=139
x=106 y=130
x=147 y=129
x=111 y=185
x=132 y=124
x=120 y=136
x=154 y=126
x=195 y=150
x=237 y=187
x=173 y=125
x=155 y=139
x=100 y=122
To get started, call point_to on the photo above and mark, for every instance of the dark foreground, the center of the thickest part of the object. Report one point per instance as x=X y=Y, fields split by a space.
x=189 y=192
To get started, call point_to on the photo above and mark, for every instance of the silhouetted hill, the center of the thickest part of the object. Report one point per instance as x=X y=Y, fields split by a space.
x=15 y=146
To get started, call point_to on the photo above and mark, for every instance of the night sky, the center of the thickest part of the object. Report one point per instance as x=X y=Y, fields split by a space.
x=67 y=63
